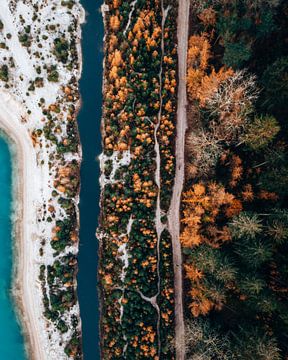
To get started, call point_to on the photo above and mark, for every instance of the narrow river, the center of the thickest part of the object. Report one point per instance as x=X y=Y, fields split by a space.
x=89 y=127
x=11 y=340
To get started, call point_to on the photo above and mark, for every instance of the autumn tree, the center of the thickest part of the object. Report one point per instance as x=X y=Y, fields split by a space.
x=231 y=105
x=203 y=151
x=202 y=79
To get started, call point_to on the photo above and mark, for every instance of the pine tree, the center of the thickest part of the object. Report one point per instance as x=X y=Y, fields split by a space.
x=253 y=252
x=254 y=344
x=274 y=80
x=261 y=132
x=247 y=225
x=204 y=342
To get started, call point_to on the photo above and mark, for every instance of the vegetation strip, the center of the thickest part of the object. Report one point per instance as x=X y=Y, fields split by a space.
x=40 y=66
x=138 y=166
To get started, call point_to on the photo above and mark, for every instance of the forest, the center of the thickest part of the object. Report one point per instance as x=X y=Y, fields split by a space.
x=137 y=164
x=234 y=205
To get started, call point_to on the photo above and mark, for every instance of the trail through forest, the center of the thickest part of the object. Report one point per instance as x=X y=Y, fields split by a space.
x=174 y=211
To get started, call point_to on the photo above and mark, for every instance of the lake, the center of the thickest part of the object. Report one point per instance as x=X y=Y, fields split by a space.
x=11 y=339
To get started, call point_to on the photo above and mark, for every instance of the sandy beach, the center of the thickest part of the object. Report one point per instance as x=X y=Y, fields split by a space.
x=26 y=288
x=33 y=172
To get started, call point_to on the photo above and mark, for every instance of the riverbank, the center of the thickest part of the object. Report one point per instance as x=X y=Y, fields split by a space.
x=39 y=102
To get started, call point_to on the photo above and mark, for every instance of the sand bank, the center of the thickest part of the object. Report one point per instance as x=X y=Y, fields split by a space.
x=26 y=287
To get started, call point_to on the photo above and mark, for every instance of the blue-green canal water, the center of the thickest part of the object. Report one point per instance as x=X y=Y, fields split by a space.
x=11 y=340
x=89 y=128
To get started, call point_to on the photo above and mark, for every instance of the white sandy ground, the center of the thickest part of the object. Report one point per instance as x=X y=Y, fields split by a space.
x=33 y=178
x=27 y=287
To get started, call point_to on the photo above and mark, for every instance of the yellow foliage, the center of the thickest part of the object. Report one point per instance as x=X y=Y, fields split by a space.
x=247 y=193
x=210 y=83
x=208 y=16
x=168 y=106
x=116 y=4
x=113 y=74
x=201 y=85
x=192 y=272
x=139 y=26
x=194 y=78
x=236 y=170
x=117 y=58
x=198 y=52
x=202 y=204
x=200 y=305
x=234 y=208
x=112 y=42
x=114 y=22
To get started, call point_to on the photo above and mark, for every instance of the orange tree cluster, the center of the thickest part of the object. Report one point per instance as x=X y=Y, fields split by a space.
x=139 y=94
x=234 y=207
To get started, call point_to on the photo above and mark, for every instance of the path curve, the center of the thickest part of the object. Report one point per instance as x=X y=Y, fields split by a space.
x=26 y=288
x=174 y=211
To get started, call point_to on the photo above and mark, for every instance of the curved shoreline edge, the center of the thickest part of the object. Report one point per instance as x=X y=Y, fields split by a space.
x=23 y=153
x=15 y=216
x=33 y=183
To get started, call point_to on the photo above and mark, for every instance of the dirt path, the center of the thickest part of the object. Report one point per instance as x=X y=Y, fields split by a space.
x=174 y=211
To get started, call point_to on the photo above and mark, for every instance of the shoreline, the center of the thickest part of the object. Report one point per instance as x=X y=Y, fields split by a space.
x=15 y=217
x=28 y=176
x=18 y=145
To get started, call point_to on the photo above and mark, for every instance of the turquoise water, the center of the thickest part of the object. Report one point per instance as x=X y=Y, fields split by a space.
x=11 y=340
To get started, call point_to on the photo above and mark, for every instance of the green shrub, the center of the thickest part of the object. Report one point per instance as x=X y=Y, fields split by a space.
x=68 y=3
x=261 y=132
x=25 y=39
x=236 y=54
x=61 y=49
x=53 y=74
x=4 y=73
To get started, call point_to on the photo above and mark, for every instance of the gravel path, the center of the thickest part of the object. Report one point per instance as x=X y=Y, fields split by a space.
x=174 y=211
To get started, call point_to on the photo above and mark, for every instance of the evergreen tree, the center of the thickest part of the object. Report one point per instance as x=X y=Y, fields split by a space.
x=247 y=225
x=254 y=344
x=261 y=132
x=275 y=83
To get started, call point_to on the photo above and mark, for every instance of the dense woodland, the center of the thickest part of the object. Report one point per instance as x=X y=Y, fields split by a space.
x=234 y=207
x=137 y=309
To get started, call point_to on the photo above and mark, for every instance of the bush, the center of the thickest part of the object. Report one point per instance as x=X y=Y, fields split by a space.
x=68 y=3
x=61 y=49
x=53 y=74
x=4 y=73
x=25 y=39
